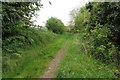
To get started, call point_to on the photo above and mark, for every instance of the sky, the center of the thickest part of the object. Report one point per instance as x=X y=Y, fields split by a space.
x=59 y=9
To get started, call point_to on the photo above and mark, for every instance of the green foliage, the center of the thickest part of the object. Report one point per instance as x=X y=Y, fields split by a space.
x=39 y=54
x=19 y=36
x=17 y=16
x=16 y=24
x=104 y=31
x=55 y=25
x=81 y=18
x=98 y=24
x=77 y=64
x=107 y=14
x=13 y=44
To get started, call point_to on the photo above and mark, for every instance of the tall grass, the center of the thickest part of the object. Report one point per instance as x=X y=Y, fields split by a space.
x=77 y=64
x=34 y=58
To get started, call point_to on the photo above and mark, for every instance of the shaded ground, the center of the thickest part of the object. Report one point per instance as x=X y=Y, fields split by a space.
x=49 y=73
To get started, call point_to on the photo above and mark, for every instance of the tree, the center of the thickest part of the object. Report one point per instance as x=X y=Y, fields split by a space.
x=55 y=25
x=17 y=16
x=16 y=23
x=107 y=14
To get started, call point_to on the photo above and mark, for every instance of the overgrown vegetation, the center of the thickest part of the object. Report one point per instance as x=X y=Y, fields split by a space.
x=55 y=25
x=21 y=41
x=78 y=64
x=27 y=50
x=100 y=27
x=34 y=59
x=16 y=24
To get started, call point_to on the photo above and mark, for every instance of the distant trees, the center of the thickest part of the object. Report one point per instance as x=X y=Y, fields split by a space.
x=55 y=25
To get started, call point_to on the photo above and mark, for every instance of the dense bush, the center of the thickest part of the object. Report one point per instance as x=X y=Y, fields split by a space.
x=16 y=23
x=34 y=37
x=55 y=25
x=20 y=34
x=17 y=17
x=15 y=50
x=100 y=27
x=104 y=28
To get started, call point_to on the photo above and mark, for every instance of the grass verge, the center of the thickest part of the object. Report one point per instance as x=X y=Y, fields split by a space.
x=77 y=64
x=35 y=59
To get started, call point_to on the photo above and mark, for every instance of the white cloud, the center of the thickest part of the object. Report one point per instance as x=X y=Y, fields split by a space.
x=59 y=8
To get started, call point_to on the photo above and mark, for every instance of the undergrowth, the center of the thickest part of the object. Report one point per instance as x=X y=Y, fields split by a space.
x=40 y=51
x=78 y=64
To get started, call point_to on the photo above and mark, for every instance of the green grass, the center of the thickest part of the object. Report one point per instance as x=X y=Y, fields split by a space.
x=34 y=59
x=77 y=64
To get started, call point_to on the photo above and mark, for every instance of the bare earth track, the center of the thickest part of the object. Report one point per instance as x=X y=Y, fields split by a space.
x=49 y=73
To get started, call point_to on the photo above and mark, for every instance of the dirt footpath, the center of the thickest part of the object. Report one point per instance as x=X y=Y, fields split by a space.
x=50 y=72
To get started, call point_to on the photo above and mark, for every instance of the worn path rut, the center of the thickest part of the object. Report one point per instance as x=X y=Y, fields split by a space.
x=50 y=72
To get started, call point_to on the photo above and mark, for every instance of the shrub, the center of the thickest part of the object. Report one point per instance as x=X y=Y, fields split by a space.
x=100 y=28
x=55 y=25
